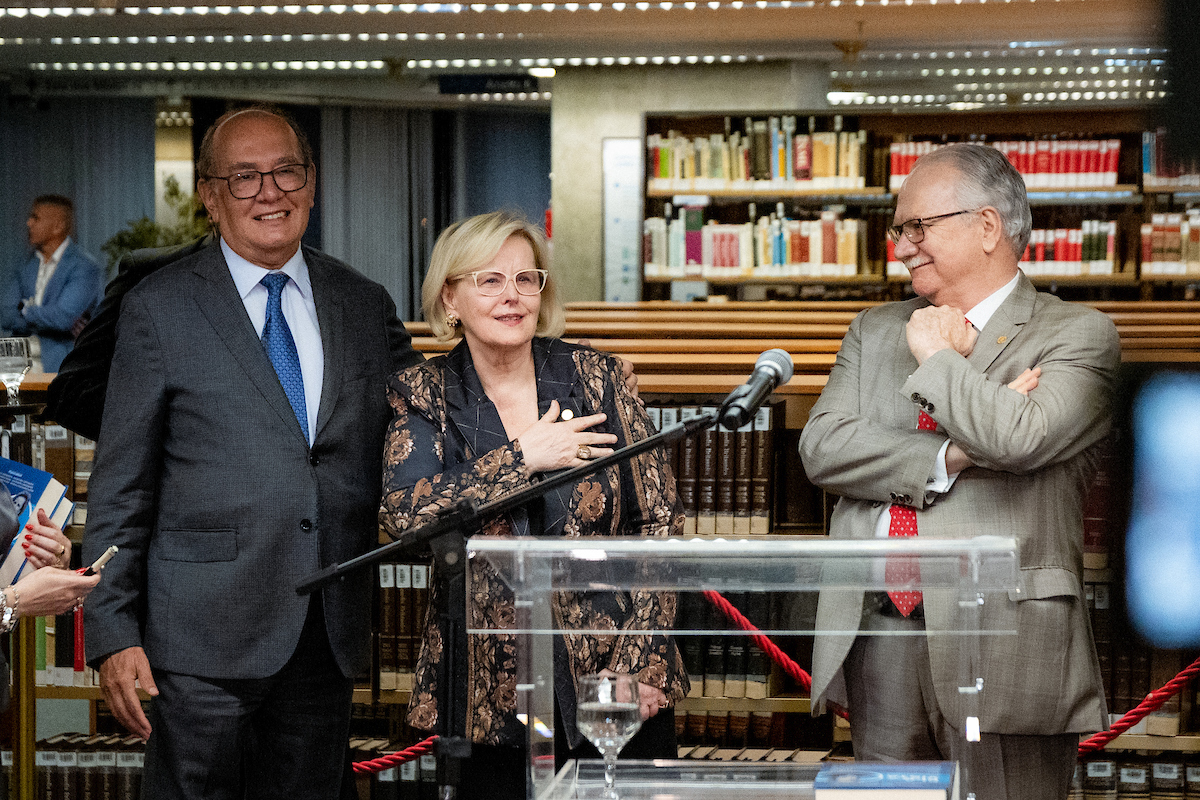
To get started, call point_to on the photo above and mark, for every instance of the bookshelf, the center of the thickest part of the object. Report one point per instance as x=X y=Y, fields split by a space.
x=785 y=204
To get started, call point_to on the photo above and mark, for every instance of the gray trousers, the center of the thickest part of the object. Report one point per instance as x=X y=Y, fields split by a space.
x=894 y=716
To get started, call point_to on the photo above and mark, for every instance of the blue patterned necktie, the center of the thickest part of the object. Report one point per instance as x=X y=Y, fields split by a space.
x=281 y=348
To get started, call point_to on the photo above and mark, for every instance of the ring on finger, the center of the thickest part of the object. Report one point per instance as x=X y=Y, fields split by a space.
x=62 y=550
x=584 y=452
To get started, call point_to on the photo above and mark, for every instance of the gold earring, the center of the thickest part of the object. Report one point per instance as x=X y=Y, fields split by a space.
x=451 y=320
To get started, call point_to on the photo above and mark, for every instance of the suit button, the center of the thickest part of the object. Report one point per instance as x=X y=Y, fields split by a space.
x=893 y=496
x=929 y=408
x=305 y=525
x=916 y=398
x=314 y=459
x=906 y=500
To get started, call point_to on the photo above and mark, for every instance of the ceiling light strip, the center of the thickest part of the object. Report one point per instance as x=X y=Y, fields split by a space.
x=457 y=8
x=310 y=65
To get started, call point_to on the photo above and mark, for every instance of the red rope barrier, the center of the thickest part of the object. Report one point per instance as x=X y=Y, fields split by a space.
x=766 y=645
x=399 y=757
x=1152 y=703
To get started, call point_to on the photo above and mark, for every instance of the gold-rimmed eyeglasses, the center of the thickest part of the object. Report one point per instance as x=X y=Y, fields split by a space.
x=914 y=229
x=248 y=183
x=491 y=283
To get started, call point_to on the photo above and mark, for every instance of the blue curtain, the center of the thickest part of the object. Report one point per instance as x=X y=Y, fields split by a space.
x=376 y=180
x=99 y=151
x=506 y=158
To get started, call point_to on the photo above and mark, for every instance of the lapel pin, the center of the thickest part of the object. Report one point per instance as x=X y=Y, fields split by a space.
x=1001 y=339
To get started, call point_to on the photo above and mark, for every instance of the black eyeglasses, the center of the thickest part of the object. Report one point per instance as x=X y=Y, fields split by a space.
x=248 y=183
x=914 y=229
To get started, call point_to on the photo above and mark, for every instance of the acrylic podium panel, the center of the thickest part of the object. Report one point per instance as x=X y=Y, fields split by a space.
x=958 y=575
x=685 y=780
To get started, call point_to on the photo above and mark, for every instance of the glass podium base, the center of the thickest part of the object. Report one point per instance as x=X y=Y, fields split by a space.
x=693 y=780
x=730 y=780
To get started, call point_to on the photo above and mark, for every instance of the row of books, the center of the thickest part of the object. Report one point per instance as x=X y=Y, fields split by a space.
x=1087 y=250
x=59 y=657
x=723 y=665
x=79 y=765
x=708 y=752
x=52 y=448
x=774 y=246
x=767 y=153
x=1043 y=163
x=403 y=599
x=725 y=478
x=1160 y=170
x=1171 y=244
x=415 y=779
x=1165 y=777
x=1131 y=669
x=754 y=729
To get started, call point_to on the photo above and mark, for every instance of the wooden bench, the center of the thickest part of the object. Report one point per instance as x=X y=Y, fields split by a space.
x=712 y=347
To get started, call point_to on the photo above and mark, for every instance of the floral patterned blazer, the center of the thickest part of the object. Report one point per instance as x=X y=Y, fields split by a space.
x=447 y=442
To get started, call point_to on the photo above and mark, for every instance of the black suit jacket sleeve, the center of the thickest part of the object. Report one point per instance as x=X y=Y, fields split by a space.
x=400 y=342
x=75 y=398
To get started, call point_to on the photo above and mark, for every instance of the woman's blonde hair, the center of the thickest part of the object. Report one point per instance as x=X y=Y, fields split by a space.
x=470 y=245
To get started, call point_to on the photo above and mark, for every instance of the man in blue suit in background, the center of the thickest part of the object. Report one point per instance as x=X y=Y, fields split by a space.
x=56 y=291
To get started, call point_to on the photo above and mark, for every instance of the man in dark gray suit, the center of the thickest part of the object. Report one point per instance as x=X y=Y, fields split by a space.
x=1021 y=399
x=230 y=467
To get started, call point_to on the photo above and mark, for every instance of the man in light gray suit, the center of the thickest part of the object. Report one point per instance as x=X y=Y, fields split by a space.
x=1003 y=460
x=240 y=451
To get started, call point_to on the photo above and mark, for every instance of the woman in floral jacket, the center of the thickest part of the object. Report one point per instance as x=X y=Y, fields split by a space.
x=506 y=404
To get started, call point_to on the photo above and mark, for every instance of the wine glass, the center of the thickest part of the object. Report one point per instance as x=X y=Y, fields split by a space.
x=15 y=362
x=609 y=715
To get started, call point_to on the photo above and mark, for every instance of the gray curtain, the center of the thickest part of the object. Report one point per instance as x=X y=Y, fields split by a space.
x=377 y=196
x=99 y=151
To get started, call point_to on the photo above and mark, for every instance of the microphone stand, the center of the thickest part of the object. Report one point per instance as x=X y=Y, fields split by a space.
x=445 y=537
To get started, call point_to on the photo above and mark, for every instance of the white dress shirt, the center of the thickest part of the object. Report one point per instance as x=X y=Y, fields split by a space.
x=46 y=267
x=300 y=311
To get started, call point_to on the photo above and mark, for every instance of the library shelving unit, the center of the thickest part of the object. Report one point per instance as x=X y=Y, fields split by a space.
x=797 y=203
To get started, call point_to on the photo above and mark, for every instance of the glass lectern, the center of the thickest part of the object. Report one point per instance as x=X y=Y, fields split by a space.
x=956 y=576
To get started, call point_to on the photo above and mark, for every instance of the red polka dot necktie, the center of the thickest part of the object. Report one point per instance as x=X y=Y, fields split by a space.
x=903 y=570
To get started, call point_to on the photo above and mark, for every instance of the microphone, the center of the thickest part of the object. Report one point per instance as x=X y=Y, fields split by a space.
x=772 y=369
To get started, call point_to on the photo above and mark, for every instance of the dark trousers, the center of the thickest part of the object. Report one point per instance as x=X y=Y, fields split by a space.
x=895 y=716
x=279 y=737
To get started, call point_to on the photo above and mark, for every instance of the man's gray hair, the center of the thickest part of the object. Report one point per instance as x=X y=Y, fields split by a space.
x=990 y=179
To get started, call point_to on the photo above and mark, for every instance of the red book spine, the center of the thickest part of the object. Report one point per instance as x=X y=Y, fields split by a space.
x=1092 y=164
x=1043 y=163
x=1013 y=153
x=79 y=664
x=1074 y=167
x=828 y=241
x=1058 y=162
